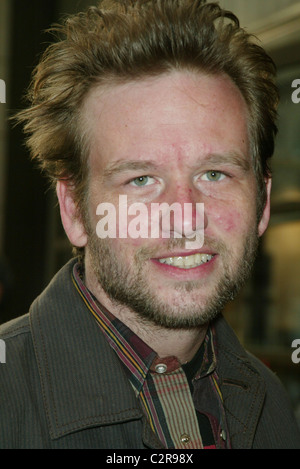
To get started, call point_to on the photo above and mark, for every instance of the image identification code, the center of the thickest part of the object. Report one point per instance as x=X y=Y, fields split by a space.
x=155 y=458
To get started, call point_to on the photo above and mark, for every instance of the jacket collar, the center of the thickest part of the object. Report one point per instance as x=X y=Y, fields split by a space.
x=241 y=384
x=75 y=363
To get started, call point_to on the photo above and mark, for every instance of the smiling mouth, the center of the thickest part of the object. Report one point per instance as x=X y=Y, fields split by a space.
x=187 y=262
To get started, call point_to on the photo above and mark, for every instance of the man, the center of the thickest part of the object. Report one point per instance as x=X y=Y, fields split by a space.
x=140 y=104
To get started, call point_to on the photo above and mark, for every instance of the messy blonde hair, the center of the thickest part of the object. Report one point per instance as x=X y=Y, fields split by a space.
x=125 y=40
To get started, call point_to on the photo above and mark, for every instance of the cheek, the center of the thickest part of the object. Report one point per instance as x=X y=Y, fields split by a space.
x=226 y=220
x=235 y=215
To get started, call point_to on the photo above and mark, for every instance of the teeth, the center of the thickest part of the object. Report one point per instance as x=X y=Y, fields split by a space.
x=187 y=262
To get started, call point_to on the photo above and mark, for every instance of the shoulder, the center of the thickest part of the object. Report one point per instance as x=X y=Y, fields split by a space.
x=253 y=394
x=278 y=419
x=275 y=391
x=23 y=342
x=19 y=379
x=15 y=327
x=18 y=336
x=15 y=335
x=233 y=356
x=17 y=347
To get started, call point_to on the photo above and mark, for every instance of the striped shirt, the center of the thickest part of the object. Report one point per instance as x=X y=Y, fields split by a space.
x=182 y=403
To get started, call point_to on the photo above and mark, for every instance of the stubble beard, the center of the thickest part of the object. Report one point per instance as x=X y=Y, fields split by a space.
x=128 y=285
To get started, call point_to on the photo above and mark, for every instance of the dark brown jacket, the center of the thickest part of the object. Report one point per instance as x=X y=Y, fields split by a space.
x=62 y=385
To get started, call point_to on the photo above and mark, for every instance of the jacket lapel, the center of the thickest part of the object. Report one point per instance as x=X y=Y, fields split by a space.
x=83 y=382
x=242 y=387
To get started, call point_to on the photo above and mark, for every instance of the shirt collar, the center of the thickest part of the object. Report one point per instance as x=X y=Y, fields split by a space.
x=135 y=354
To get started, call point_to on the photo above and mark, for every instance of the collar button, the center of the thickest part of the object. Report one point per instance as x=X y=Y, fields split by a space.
x=161 y=368
x=185 y=438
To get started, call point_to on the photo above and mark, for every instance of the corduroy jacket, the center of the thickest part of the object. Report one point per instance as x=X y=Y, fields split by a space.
x=63 y=387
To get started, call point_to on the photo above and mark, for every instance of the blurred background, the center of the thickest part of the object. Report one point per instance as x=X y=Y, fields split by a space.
x=266 y=315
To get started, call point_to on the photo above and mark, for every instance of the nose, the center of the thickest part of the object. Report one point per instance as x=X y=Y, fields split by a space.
x=184 y=216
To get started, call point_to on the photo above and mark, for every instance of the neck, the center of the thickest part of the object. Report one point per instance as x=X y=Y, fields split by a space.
x=182 y=343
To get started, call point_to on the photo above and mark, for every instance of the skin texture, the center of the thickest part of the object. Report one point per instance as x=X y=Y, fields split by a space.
x=184 y=135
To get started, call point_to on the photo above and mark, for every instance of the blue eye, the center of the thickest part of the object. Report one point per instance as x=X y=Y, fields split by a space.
x=213 y=176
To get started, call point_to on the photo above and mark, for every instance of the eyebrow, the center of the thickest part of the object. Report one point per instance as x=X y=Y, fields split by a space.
x=231 y=159
x=122 y=166
x=213 y=159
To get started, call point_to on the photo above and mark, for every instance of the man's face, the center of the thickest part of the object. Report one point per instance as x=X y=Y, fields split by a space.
x=177 y=138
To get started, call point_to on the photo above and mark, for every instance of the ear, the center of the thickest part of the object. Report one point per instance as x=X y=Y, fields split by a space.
x=264 y=221
x=71 y=221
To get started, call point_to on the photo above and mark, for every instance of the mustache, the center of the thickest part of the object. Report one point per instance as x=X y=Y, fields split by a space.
x=147 y=252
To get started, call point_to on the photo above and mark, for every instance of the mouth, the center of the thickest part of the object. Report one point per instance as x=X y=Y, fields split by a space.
x=187 y=262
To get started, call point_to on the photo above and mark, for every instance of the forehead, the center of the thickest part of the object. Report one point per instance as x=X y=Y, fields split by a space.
x=177 y=112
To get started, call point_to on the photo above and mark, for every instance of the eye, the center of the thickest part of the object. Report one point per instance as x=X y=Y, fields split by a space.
x=213 y=176
x=142 y=181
